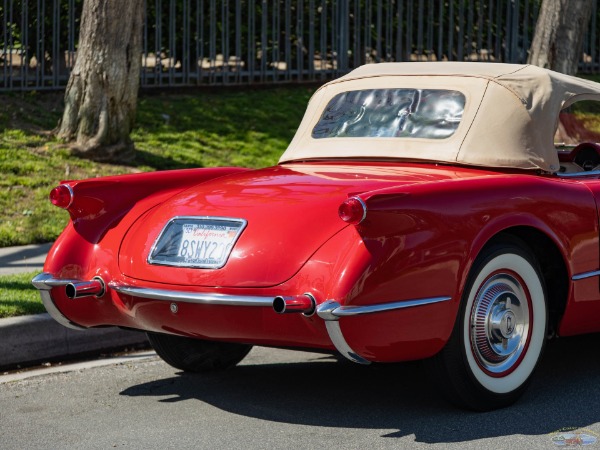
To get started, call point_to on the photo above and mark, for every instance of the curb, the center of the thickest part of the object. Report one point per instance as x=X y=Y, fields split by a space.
x=38 y=338
x=29 y=340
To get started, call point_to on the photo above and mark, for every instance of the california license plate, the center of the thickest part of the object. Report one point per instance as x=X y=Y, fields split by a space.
x=200 y=242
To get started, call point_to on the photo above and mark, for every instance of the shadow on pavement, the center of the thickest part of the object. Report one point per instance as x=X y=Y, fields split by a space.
x=565 y=392
x=27 y=257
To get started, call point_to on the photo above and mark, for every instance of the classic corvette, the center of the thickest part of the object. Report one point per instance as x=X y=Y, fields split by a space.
x=436 y=211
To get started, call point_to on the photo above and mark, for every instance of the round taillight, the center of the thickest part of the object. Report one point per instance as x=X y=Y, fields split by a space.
x=62 y=196
x=353 y=210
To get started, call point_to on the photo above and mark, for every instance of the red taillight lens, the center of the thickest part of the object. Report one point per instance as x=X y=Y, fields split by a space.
x=62 y=196
x=353 y=210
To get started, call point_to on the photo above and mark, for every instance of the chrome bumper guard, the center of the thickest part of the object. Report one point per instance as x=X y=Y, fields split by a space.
x=330 y=311
x=44 y=282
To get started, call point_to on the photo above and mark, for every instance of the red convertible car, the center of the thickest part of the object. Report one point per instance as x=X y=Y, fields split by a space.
x=437 y=211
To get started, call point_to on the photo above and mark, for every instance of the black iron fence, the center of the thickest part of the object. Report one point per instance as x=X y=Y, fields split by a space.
x=207 y=42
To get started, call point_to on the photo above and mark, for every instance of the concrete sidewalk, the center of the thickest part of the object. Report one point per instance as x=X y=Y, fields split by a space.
x=26 y=258
x=28 y=340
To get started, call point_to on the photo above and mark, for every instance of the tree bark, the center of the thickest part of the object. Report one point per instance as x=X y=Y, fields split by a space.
x=558 y=39
x=101 y=95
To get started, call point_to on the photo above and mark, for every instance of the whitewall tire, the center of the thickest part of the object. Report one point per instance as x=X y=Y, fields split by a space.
x=500 y=330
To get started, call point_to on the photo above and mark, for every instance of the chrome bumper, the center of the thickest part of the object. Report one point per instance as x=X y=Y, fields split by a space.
x=191 y=297
x=330 y=311
x=44 y=282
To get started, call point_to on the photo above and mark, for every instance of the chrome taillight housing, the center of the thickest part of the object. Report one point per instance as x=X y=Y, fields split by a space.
x=62 y=196
x=353 y=210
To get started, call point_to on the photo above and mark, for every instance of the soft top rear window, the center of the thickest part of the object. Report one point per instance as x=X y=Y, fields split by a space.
x=398 y=112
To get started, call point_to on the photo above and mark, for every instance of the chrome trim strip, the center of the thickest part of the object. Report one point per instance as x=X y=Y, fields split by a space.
x=581 y=276
x=192 y=297
x=590 y=173
x=44 y=282
x=326 y=312
x=337 y=338
x=70 y=192
x=331 y=311
x=364 y=206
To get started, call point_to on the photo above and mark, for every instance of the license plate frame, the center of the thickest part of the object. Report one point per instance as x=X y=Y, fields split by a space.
x=200 y=242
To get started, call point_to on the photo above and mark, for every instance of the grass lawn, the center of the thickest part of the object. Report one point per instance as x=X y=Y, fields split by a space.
x=18 y=297
x=220 y=127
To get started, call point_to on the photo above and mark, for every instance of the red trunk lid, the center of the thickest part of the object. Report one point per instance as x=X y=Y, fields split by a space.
x=290 y=210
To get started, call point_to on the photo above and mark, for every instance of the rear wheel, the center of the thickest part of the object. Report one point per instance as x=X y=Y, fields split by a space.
x=195 y=355
x=500 y=332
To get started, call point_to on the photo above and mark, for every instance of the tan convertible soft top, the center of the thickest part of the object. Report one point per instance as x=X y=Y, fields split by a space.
x=509 y=118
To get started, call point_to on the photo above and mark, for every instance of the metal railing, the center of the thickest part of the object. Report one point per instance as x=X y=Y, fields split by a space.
x=208 y=42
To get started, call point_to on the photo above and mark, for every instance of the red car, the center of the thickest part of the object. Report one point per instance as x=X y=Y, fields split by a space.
x=437 y=211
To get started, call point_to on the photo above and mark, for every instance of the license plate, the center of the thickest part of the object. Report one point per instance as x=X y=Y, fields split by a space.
x=199 y=242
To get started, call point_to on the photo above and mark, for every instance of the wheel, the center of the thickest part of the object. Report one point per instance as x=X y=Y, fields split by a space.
x=499 y=333
x=195 y=355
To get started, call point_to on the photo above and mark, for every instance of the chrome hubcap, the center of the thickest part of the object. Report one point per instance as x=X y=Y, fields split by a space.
x=499 y=323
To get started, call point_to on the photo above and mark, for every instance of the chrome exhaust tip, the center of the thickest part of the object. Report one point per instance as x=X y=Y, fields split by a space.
x=305 y=304
x=79 y=289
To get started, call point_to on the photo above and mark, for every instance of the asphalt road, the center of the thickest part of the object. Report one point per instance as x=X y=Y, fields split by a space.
x=281 y=399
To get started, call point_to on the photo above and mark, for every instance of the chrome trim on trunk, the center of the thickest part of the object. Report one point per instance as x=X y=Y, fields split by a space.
x=44 y=282
x=192 y=297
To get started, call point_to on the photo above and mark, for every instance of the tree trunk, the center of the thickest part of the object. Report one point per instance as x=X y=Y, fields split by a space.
x=558 y=40
x=101 y=96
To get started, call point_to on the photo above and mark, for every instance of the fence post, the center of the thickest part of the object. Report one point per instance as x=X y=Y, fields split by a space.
x=217 y=42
